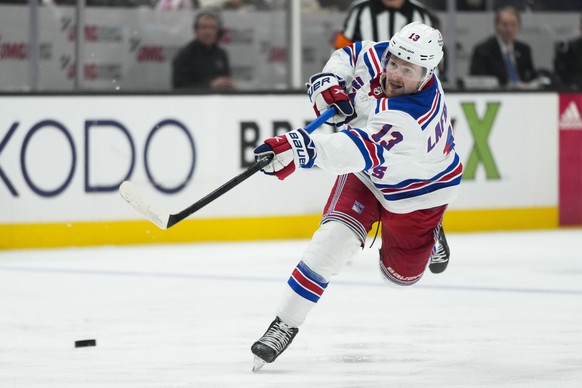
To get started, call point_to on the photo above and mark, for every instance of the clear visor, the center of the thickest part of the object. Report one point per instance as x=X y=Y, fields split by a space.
x=404 y=69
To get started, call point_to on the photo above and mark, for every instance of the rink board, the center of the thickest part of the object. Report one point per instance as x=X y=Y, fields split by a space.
x=54 y=235
x=63 y=158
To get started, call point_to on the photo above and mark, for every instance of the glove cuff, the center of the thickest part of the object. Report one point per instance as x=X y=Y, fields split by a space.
x=320 y=82
x=304 y=151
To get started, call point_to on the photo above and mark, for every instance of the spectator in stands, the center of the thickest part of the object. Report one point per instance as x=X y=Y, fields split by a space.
x=502 y=56
x=568 y=62
x=202 y=64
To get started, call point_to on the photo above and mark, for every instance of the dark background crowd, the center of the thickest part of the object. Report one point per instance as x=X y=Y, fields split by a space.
x=501 y=59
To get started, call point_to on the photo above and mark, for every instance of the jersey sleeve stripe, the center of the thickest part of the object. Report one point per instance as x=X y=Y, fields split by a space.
x=372 y=62
x=426 y=118
x=357 y=51
x=378 y=106
x=353 y=52
x=379 y=49
x=381 y=105
x=372 y=153
x=375 y=59
x=349 y=50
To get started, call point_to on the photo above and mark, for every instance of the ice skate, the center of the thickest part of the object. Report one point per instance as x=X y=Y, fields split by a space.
x=441 y=253
x=274 y=342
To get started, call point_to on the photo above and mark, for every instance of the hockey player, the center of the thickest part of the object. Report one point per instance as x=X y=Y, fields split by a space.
x=395 y=162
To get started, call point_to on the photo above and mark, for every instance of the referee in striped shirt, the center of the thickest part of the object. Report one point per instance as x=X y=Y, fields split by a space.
x=379 y=20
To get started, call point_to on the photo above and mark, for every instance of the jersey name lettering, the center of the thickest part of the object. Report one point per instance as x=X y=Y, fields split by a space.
x=439 y=129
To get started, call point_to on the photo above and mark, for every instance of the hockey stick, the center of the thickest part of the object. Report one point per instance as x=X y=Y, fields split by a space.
x=164 y=219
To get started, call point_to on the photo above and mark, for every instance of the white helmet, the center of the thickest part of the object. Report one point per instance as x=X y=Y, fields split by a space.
x=419 y=44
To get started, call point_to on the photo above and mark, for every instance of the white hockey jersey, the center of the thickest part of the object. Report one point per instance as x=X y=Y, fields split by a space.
x=402 y=147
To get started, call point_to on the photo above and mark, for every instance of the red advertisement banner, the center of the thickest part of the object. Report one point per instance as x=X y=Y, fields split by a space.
x=570 y=163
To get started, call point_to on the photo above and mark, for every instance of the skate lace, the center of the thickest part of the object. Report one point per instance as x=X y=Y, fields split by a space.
x=440 y=256
x=276 y=337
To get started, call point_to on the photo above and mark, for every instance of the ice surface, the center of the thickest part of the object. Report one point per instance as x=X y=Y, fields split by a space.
x=506 y=313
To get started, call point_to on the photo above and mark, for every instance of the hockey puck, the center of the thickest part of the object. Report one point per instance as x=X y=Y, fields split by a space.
x=84 y=343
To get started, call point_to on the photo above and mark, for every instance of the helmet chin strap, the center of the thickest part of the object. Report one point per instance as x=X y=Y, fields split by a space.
x=426 y=79
x=423 y=83
x=383 y=82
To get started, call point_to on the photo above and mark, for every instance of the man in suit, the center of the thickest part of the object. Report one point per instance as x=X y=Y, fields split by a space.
x=502 y=56
x=568 y=62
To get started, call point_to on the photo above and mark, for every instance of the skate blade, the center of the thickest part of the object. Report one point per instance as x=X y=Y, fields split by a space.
x=258 y=364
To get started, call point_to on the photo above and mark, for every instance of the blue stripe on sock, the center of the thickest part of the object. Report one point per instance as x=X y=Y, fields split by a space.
x=312 y=275
x=304 y=293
